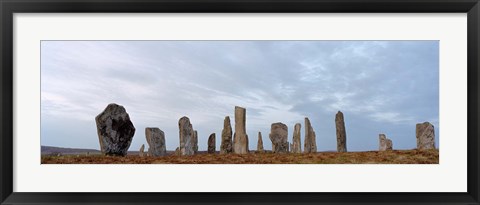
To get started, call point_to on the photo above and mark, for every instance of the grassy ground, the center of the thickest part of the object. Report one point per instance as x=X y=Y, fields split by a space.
x=370 y=157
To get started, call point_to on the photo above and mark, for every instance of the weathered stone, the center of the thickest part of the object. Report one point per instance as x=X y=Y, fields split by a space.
x=142 y=151
x=341 y=133
x=296 y=146
x=310 y=145
x=156 y=141
x=389 y=144
x=384 y=143
x=177 y=151
x=211 y=143
x=279 y=137
x=260 y=143
x=425 y=133
x=246 y=147
x=186 y=135
x=115 y=130
x=240 y=138
x=195 y=141
x=226 y=145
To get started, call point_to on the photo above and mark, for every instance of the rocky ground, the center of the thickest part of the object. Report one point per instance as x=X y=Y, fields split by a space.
x=370 y=157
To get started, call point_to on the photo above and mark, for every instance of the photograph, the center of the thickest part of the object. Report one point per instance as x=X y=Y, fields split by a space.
x=239 y=102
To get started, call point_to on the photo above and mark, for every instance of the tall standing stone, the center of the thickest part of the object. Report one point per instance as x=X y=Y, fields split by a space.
x=310 y=138
x=260 y=143
x=186 y=134
x=115 y=130
x=211 y=143
x=142 y=151
x=425 y=133
x=156 y=142
x=195 y=141
x=226 y=145
x=296 y=147
x=279 y=137
x=240 y=138
x=384 y=143
x=341 y=133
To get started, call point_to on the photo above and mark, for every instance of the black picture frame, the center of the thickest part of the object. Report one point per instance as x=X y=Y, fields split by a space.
x=9 y=7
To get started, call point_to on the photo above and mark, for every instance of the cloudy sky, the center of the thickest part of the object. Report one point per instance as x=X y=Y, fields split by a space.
x=380 y=86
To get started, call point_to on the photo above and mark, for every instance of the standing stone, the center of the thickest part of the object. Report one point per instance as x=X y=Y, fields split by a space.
x=246 y=146
x=186 y=134
x=425 y=133
x=226 y=146
x=195 y=141
x=142 y=151
x=279 y=137
x=260 y=143
x=156 y=141
x=341 y=133
x=389 y=144
x=177 y=151
x=240 y=138
x=115 y=130
x=384 y=143
x=296 y=147
x=310 y=141
x=211 y=143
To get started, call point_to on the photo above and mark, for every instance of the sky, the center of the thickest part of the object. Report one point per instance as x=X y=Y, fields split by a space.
x=380 y=86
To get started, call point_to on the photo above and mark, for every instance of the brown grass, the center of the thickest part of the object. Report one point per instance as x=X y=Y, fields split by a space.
x=370 y=157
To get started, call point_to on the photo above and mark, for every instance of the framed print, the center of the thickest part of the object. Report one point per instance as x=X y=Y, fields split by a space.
x=251 y=102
